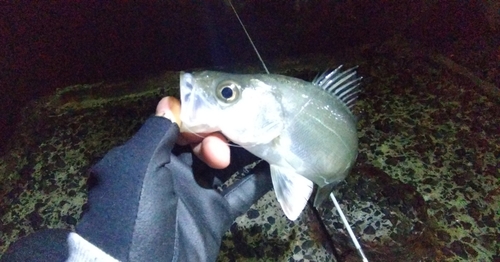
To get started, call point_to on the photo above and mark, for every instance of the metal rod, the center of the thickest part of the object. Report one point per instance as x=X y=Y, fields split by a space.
x=348 y=227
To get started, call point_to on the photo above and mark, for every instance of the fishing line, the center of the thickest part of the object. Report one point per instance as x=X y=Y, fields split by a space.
x=249 y=38
x=332 y=196
x=200 y=136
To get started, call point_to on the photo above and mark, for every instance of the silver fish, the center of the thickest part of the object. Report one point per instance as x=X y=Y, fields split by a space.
x=304 y=130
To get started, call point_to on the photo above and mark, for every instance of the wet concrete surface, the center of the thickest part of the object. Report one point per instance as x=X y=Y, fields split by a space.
x=426 y=186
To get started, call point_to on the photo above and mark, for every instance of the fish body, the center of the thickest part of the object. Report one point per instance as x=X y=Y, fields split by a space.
x=304 y=130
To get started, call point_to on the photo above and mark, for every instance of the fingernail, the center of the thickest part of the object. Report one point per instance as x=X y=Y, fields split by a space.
x=165 y=108
x=168 y=115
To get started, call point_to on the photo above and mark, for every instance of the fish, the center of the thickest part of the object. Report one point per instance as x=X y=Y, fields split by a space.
x=306 y=131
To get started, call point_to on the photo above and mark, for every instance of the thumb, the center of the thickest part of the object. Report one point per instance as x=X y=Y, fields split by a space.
x=170 y=108
x=245 y=192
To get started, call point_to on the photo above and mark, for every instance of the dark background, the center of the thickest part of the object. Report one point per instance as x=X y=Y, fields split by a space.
x=46 y=46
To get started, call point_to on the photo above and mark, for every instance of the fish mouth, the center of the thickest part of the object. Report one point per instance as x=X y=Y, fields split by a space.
x=191 y=98
x=188 y=101
x=186 y=85
x=195 y=109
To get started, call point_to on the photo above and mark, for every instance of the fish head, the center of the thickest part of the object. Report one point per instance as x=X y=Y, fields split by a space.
x=246 y=109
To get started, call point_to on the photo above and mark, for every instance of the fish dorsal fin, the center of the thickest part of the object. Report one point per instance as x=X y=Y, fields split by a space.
x=342 y=84
x=292 y=190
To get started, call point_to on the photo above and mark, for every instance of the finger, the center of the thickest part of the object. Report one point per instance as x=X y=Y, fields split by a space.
x=169 y=107
x=245 y=192
x=214 y=151
x=239 y=158
x=191 y=138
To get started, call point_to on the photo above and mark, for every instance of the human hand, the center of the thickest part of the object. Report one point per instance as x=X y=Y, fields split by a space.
x=144 y=203
x=148 y=193
x=211 y=148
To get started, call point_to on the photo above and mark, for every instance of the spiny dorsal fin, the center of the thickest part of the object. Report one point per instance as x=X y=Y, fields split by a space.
x=342 y=84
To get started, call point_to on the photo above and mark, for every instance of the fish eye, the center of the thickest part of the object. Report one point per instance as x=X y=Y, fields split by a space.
x=228 y=92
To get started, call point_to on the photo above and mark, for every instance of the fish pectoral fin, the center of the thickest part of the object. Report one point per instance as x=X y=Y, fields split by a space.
x=322 y=194
x=292 y=190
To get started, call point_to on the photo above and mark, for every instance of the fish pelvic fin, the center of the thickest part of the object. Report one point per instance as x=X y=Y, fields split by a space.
x=323 y=193
x=342 y=84
x=292 y=190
